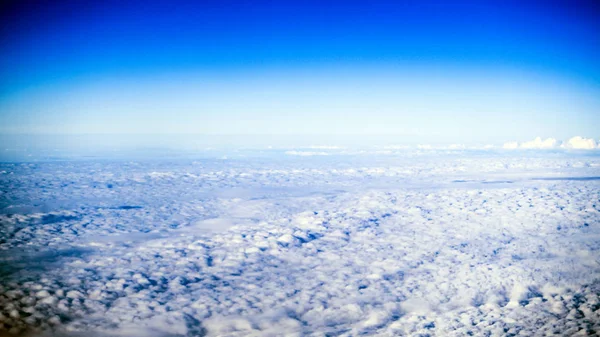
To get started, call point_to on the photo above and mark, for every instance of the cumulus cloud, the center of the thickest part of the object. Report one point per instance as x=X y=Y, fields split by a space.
x=577 y=142
x=581 y=143
x=538 y=143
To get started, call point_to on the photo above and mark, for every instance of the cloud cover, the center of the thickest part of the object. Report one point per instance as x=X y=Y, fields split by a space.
x=398 y=247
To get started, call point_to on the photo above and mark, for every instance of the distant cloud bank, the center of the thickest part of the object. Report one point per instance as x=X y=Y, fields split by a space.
x=575 y=143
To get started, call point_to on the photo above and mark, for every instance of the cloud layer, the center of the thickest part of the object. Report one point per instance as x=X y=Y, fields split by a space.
x=444 y=245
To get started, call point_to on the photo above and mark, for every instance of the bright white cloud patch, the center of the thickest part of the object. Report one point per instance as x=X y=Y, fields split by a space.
x=581 y=143
x=511 y=145
x=551 y=143
x=538 y=143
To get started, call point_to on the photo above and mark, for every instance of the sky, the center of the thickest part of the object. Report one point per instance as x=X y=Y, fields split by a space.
x=425 y=71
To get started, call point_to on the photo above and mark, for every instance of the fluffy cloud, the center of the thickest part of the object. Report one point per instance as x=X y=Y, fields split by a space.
x=551 y=143
x=298 y=248
x=580 y=143
x=510 y=145
x=538 y=143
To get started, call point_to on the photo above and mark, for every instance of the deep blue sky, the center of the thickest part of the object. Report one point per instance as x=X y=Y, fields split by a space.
x=430 y=69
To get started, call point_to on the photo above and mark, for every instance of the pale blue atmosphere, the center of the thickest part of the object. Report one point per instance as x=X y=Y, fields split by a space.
x=409 y=72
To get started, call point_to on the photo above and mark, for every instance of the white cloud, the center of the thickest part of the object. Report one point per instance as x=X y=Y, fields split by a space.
x=580 y=143
x=538 y=143
x=306 y=153
x=326 y=147
x=510 y=145
x=427 y=147
x=396 y=147
x=456 y=147
x=577 y=142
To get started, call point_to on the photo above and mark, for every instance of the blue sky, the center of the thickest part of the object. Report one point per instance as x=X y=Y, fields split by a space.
x=415 y=70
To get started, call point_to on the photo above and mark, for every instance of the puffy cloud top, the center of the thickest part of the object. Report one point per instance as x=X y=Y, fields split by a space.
x=538 y=143
x=581 y=143
x=551 y=143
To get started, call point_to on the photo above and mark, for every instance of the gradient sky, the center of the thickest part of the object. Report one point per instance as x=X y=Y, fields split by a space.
x=415 y=70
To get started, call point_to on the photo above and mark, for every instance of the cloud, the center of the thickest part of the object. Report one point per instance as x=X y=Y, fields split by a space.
x=577 y=142
x=306 y=153
x=259 y=248
x=326 y=147
x=396 y=147
x=580 y=143
x=538 y=143
x=456 y=147
x=444 y=147
x=510 y=145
